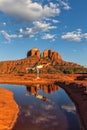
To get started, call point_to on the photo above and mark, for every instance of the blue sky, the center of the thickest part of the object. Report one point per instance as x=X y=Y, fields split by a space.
x=60 y=25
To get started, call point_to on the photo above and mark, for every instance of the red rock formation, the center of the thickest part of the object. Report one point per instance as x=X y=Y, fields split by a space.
x=50 y=53
x=34 y=52
x=54 y=56
x=38 y=54
x=19 y=66
x=45 y=53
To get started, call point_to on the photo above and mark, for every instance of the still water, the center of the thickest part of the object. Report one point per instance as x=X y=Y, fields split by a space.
x=44 y=107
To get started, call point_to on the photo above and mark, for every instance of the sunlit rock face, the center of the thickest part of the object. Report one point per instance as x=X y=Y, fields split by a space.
x=55 y=57
x=34 y=52
x=47 y=53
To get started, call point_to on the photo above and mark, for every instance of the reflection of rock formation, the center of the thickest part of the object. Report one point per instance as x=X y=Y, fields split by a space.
x=32 y=90
x=50 y=88
x=46 y=88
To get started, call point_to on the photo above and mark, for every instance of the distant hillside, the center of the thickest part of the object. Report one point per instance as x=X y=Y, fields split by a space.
x=34 y=57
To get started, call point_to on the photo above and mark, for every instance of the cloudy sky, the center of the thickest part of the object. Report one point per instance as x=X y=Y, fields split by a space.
x=60 y=25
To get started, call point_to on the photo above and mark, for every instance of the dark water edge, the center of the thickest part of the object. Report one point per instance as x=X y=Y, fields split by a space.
x=57 y=112
x=78 y=94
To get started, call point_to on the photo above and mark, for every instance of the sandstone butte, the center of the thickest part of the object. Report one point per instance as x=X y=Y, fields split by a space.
x=10 y=109
x=35 y=57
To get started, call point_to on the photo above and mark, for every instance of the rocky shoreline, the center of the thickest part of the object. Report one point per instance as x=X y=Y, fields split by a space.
x=78 y=94
x=9 y=107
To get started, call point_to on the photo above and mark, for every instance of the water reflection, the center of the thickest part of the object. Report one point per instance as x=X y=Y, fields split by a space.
x=35 y=90
x=56 y=112
x=69 y=108
x=41 y=115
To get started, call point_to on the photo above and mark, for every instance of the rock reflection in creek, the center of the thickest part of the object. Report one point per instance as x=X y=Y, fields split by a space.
x=42 y=107
x=45 y=114
x=42 y=115
x=47 y=89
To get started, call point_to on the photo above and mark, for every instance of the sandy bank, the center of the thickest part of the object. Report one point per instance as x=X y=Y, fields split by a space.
x=44 y=78
x=8 y=110
x=31 y=78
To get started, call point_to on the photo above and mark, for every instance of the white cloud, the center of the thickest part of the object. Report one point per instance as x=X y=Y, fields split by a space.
x=85 y=35
x=69 y=108
x=48 y=36
x=65 y=5
x=72 y=36
x=38 y=27
x=48 y=107
x=55 y=21
x=43 y=26
x=77 y=36
x=3 y=24
x=21 y=30
x=8 y=36
x=39 y=17
x=28 y=32
x=28 y=10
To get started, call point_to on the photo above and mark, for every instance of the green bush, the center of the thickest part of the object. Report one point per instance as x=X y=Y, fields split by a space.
x=21 y=73
x=68 y=71
x=80 y=70
x=49 y=71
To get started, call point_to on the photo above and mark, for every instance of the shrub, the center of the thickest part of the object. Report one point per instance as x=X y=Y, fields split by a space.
x=49 y=71
x=68 y=71
x=21 y=73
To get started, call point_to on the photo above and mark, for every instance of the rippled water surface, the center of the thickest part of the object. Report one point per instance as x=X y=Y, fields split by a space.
x=44 y=107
